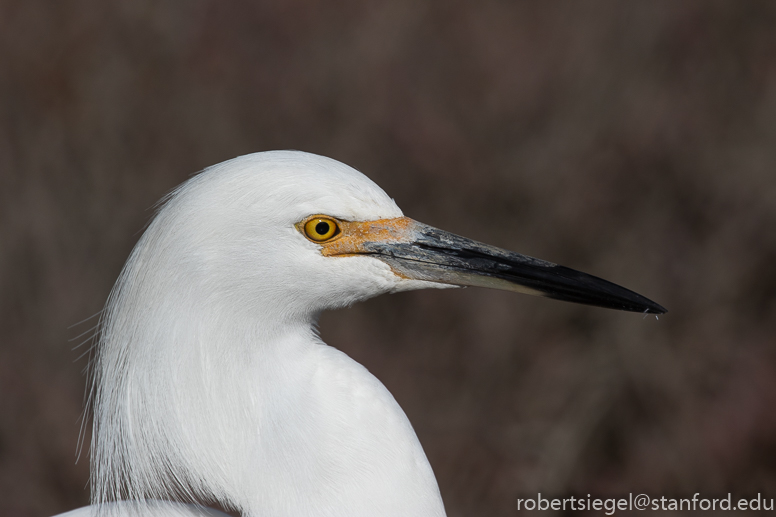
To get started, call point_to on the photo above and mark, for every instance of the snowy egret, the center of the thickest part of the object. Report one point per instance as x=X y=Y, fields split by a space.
x=210 y=382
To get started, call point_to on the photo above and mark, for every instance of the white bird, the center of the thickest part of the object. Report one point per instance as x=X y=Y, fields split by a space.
x=210 y=382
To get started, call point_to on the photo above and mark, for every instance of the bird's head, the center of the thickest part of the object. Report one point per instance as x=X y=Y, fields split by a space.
x=294 y=233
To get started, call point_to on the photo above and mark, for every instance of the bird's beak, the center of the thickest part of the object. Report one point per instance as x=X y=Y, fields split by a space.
x=417 y=251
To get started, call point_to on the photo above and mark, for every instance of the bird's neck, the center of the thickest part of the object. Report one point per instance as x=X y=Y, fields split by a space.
x=269 y=421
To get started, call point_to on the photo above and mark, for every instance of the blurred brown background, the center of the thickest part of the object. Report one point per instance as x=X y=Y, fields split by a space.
x=632 y=140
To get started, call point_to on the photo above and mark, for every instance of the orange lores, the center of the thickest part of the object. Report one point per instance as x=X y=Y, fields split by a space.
x=353 y=234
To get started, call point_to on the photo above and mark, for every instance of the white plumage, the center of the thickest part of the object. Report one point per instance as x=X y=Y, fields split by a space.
x=210 y=382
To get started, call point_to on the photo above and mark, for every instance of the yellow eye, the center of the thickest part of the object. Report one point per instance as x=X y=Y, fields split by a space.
x=321 y=229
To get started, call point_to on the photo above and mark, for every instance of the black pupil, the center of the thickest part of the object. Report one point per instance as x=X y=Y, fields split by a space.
x=322 y=228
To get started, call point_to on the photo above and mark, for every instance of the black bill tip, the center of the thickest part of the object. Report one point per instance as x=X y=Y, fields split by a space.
x=562 y=283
